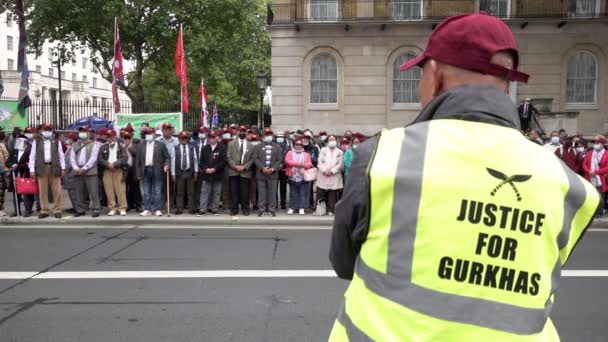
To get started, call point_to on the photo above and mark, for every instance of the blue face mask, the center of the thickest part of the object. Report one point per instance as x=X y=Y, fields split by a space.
x=47 y=134
x=280 y=140
x=268 y=139
x=555 y=140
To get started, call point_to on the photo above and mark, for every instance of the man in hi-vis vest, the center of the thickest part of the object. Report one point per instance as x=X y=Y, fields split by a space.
x=456 y=227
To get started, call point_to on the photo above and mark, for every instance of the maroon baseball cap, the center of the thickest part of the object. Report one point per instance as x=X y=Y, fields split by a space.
x=469 y=41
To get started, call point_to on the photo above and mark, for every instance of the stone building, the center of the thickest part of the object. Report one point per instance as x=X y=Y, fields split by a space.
x=335 y=62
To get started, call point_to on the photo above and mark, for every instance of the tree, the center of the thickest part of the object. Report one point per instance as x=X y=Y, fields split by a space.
x=216 y=31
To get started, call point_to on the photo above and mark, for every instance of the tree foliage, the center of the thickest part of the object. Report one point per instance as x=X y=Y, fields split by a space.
x=226 y=42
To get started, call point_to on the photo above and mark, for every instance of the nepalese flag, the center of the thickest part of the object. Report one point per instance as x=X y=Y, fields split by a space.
x=24 y=98
x=203 y=99
x=215 y=121
x=181 y=69
x=117 y=70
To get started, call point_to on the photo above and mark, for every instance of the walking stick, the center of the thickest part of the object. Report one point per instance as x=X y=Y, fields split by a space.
x=168 y=197
x=15 y=195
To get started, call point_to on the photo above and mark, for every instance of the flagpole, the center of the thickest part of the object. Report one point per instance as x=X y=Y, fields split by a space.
x=114 y=76
x=203 y=104
x=181 y=88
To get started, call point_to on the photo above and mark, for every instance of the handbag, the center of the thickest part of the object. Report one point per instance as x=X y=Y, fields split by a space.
x=321 y=209
x=311 y=174
x=26 y=186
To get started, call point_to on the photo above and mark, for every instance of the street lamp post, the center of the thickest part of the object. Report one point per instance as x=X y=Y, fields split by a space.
x=58 y=62
x=261 y=80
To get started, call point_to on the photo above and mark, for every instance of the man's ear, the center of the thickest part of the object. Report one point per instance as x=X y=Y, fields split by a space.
x=437 y=77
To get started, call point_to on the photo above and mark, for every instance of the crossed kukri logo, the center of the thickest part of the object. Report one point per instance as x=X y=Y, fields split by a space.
x=511 y=180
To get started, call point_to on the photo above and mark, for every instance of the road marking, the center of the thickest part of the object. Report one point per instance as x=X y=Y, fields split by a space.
x=597 y=230
x=219 y=274
x=313 y=226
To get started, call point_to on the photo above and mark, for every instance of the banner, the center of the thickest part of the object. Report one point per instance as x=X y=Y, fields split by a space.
x=154 y=120
x=10 y=116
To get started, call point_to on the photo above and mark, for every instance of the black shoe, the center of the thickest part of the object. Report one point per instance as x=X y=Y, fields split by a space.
x=178 y=212
x=139 y=210
x=78 y=214
x=95 y=214
x=283 y=207
x=27 y=214
x=234 y=212
x=43 y=216
x=245 y=212
x=13 y=215
x=57 y=216
x=201 y=213
x=273 y=213
x=70 y=211
x=260 y=213
x=193 y=212
x=214 y=212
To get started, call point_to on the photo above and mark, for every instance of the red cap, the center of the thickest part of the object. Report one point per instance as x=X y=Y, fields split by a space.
x=110 y=132
x=323 y=133
x=73 y=136
x=30 y=129
x=469 y=41
x=203 y=129
x=242 y=129
x=183 y=134
x=47 y=127
x=268 y=131
x=83 y=129
x=167 y=125
x=213 y=134
x=255 y=137
x=225 y=130
x=147 y=130
x=600 y=140
x=129 y=128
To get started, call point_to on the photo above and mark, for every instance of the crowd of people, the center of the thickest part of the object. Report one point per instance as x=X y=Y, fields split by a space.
x=203 y=171
x=588 y=158
x=200 y=172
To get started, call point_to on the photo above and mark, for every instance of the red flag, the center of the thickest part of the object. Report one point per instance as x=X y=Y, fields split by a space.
x=117 y=71
x=181 y=69
x=203 y=99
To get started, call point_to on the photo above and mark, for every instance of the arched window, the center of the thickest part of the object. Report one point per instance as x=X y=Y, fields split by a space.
x=581 y=80
x=405 y=83
x=323 y=79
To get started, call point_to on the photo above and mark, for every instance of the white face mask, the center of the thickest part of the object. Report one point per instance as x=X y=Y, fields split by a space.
x=29 y=135
x=580 y=149
x=47 y=134
x=202 y=136
x=255 y=143
x=83 y=135
x=149 y=137
x=268 y=139
x=598 y=147
x=20 y=144
x=332 y=144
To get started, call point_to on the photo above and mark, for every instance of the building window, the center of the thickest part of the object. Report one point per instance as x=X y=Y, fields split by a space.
x=407 y=9
x=583 y=8
x=74 y=77
x=84 y=79
x=84 y=63
x=50 y=52
x=39 y=69
x=51 y=72
x=74 y=62
x=9 y=43
x=405 y=83
x=581 y=83
x=94 y=82
x=323 y=10
x=324 y=79
x=9 y=21
x=10 y=64
x=63 y=75
x=498 y=8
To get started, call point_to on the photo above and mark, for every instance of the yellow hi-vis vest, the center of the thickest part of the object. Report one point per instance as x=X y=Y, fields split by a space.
x=470 y=225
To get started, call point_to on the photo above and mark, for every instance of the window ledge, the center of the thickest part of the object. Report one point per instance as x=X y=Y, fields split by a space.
x=406 y=106
x=582 y=106
x=323 y=107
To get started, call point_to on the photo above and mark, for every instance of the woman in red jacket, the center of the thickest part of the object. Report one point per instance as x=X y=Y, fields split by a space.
x=596 y=169
x=297 y=160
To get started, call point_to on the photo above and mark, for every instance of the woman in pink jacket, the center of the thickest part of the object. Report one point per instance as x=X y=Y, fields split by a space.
x=297 y=160
x=595 y=165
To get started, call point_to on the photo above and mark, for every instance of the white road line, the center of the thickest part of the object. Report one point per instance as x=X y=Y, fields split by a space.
x=219 y=274
x=313 y=226
x=591 y=230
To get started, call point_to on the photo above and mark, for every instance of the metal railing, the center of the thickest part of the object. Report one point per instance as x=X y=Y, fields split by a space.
x=328 y=11
x=47 y=111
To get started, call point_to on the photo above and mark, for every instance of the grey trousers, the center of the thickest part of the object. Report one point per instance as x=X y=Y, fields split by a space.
x=184 y=188
x=211 y=190
x=87 y=185
x=267 y=193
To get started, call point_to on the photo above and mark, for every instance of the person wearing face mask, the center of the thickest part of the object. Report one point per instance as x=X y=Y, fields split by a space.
x=554 y=142
x=254 y=139
x=285 y=146
x=47 y=164
x=313 y=151
x=297 y=162
x=322 y=139
x=329 y=181
x=17 y=163
x=345 y=144
x=212 y=167
x=113 y=159
x=184 y=173
x=83 y=159
x=151 y=164
x=348 y=135
x=595 y=166
x=202 y=141
x=348 y=155
x=240 y=160
x=267 y=158
x=68 y=180
x=225 y=139
x=569 y=155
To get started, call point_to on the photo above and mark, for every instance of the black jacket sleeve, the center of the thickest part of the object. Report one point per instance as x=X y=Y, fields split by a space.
x=352 y=214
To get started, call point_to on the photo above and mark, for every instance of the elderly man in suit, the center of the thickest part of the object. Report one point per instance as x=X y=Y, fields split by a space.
x=240 y=160
x=83 y=160
x=267 y=158
x=113 y=159
x=151 y=164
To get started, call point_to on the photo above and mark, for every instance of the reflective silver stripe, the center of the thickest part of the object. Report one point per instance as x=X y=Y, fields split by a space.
x=575 y=198
x=354 y=334
x=397 y=284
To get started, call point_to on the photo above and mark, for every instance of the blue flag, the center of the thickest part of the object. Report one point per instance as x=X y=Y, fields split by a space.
x=215 y=121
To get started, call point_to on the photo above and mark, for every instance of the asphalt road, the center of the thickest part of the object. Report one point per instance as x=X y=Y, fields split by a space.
x=212 y=309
